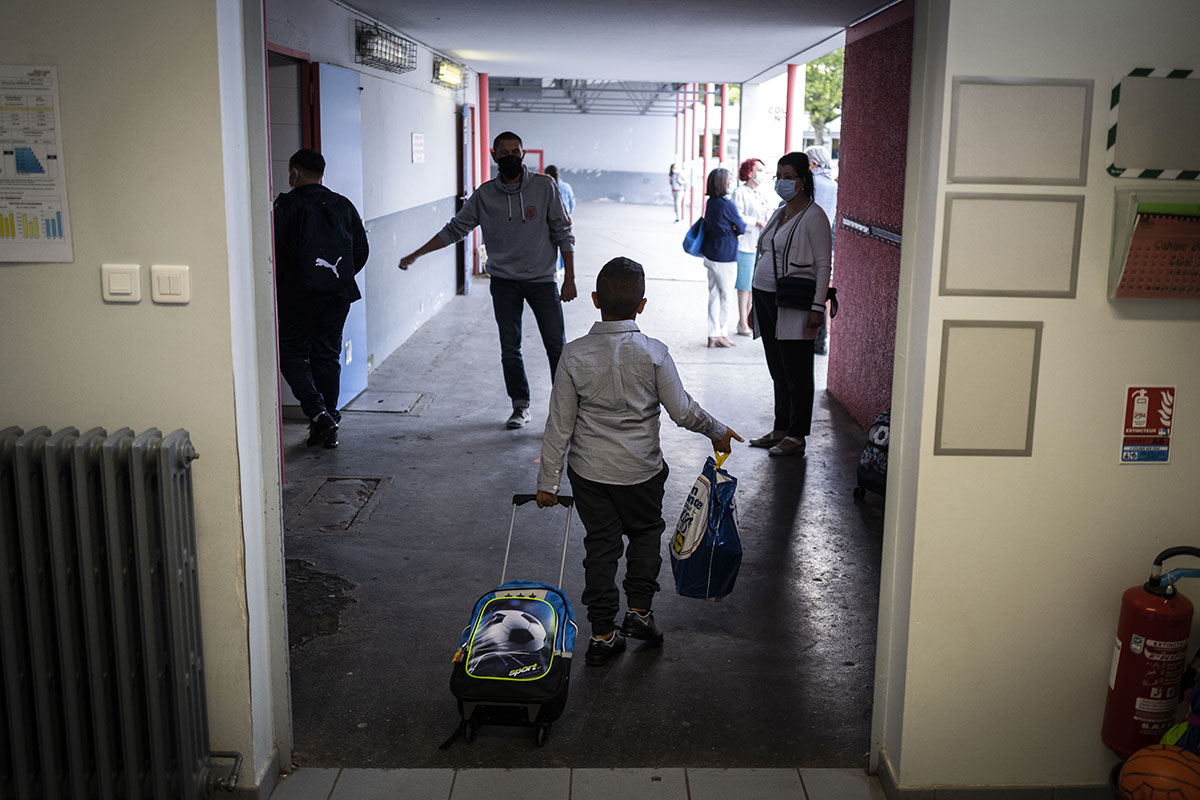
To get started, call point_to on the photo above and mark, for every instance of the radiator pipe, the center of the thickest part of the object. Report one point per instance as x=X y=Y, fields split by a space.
x=226 y=784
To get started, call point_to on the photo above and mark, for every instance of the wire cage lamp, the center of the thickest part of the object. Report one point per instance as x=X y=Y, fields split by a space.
x=383 y=49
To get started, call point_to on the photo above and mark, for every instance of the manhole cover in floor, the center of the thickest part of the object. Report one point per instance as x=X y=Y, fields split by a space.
x=335 y=505
x=409 y=403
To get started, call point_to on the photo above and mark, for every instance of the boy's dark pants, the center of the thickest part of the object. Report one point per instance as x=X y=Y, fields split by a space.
x=609 y=511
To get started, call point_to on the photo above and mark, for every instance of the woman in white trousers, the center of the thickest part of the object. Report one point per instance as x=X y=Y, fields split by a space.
x=722 y=227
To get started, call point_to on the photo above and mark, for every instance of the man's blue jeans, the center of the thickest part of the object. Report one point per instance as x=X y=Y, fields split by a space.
x=508 y=303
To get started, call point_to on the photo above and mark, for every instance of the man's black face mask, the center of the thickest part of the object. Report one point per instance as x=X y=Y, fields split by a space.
x=510 y=166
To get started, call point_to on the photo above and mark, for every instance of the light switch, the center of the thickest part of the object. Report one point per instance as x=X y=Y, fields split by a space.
x=121 y=283
x=169 y=283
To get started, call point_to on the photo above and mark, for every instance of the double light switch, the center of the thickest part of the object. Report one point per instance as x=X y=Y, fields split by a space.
x=122 y=283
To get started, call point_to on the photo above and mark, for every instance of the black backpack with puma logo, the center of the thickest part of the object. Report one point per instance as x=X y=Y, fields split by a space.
x=325 y=244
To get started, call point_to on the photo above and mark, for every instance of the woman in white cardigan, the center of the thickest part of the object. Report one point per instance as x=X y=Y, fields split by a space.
x=795 y=244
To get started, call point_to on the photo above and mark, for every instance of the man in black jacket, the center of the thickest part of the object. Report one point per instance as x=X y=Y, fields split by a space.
x=320 y=245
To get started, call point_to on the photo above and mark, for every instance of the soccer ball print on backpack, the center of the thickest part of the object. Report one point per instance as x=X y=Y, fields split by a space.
x=512 y=640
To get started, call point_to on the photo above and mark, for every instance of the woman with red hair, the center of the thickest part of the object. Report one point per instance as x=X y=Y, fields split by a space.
x=751 y=202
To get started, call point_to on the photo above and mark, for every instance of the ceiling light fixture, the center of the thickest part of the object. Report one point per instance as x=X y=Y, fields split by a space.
x=447 y=73
x=383 y=49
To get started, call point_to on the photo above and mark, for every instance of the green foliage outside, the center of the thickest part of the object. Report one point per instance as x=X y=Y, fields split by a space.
x=823 y=91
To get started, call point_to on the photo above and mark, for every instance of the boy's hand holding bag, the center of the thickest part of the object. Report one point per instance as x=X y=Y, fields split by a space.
x=706 y=550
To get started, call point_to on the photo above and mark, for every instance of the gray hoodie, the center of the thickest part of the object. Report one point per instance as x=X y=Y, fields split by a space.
x=524 y=226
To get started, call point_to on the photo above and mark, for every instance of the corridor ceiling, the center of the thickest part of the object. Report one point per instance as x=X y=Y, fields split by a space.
x=715 y=41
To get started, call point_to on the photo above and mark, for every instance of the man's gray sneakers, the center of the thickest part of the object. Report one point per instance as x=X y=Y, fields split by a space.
x=519 y=417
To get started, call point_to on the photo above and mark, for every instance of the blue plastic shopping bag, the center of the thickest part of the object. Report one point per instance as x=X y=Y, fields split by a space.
x=706 y=550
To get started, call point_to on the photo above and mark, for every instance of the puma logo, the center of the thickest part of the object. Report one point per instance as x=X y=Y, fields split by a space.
x=323 y=263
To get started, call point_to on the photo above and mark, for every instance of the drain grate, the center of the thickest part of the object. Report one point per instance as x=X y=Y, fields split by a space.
x=340 y=504
x=408 y=403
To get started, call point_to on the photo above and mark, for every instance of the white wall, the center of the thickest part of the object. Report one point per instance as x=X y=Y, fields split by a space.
x=764 y=111
x=577 y=142
x=622 y=157
x=155 y=169
x=1017 y=565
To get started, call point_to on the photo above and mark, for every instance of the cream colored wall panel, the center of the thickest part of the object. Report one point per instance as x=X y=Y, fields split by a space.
x=1011 y=245
x=988 y=388
x=1005 y=130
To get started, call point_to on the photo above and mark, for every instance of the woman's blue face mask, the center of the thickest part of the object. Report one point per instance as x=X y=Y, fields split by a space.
x=785 y=188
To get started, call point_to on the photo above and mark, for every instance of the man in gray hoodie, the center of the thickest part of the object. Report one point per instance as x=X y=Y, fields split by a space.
x=525 y=226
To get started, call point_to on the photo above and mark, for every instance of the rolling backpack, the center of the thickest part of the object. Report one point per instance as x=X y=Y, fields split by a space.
x=873 y=463
x=513 y=663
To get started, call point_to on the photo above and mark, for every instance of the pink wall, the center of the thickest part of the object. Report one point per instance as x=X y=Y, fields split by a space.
x=866 y=270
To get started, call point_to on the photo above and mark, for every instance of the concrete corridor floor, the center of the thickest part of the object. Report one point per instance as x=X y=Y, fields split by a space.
x=392 y=537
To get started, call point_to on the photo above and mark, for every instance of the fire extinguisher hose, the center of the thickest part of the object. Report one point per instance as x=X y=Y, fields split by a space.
x=1159 y=582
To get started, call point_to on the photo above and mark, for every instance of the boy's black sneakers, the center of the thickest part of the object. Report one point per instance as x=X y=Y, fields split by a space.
x=640 y=625
x=323 y=430
x=601 y=650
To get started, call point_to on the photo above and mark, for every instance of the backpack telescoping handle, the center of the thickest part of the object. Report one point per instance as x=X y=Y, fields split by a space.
x=520 y=500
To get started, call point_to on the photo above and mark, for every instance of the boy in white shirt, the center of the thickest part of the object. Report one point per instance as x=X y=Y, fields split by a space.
x=607 y=394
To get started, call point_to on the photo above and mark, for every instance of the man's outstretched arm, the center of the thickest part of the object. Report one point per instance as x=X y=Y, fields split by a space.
x=434 y=243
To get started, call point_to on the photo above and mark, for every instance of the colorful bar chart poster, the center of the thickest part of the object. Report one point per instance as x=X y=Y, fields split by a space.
x=35 y=225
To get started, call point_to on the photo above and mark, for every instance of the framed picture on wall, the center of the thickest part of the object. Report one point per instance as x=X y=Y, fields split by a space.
x=1153 y=118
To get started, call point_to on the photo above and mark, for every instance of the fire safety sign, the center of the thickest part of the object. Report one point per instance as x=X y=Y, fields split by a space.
x=1149 y=412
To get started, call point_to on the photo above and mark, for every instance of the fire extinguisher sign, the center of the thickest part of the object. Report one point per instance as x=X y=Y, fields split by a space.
x=1149 y=412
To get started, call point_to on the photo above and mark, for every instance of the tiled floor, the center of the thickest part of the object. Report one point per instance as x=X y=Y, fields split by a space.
x=577 y=784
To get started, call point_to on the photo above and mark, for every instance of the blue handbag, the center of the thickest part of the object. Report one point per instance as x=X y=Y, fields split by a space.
x=693 y=240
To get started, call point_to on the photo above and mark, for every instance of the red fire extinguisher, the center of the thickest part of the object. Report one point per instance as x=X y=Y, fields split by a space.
x=1149 y=659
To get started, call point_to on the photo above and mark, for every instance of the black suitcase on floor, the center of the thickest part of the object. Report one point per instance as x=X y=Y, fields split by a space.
x=872 y=464
x=513 y=665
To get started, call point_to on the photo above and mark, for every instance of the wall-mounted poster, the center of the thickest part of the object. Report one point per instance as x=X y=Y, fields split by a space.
x=1149 y=413
x=34 y=222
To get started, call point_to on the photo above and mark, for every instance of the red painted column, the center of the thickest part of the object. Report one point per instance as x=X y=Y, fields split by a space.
x=724 y=102
x=706 y=141
x=794 y=109
x=485 y=133
x=691 y=154
x=680 y=138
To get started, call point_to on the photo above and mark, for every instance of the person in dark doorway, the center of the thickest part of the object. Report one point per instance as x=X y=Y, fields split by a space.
x=320 y=245
x=722 y=227
x=825 y=195
x=791 y=279
x=525 y=227
x=616 y=465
